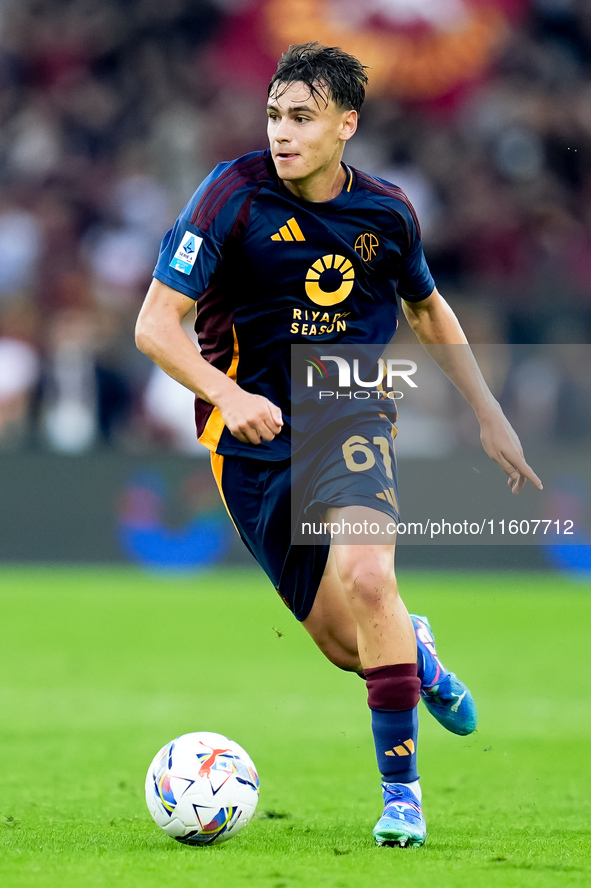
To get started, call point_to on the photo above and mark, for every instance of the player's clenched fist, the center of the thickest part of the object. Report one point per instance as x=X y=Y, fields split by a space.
x=250 y=418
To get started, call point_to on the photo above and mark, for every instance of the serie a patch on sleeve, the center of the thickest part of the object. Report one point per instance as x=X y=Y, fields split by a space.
x=186 y=254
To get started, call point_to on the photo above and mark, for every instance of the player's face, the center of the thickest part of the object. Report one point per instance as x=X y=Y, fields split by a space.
x=306 y=134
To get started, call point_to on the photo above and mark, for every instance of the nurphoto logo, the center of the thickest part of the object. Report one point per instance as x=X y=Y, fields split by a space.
x=346 y=373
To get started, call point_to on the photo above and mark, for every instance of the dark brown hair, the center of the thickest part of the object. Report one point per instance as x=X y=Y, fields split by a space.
x=327 y=71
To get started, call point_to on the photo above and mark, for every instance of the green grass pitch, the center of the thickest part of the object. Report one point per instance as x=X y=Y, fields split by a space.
x=100 y=667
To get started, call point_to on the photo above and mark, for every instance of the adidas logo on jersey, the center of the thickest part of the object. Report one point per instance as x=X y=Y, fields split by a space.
x=291 y=231
x=407 y=749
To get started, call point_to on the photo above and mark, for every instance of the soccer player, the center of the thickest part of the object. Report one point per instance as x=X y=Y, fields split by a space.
x=291 y=246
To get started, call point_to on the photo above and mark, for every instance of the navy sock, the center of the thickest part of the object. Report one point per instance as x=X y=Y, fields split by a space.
x=395 y=736
x=393 y=696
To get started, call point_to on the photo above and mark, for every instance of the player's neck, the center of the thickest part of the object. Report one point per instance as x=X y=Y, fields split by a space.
x=323 y=186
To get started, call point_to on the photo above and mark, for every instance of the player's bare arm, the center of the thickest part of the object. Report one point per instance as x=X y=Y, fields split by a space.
x=435 y=324
x=160 y=336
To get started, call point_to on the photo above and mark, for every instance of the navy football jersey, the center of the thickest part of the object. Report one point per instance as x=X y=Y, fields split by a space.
x=269 y=270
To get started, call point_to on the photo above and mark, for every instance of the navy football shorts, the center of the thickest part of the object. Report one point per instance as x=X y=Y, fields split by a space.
x=272 y=504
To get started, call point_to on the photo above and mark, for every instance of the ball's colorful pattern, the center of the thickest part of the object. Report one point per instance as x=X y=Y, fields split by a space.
x=202 y=788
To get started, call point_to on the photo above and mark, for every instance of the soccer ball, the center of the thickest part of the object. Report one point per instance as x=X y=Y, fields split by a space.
x=202 y=788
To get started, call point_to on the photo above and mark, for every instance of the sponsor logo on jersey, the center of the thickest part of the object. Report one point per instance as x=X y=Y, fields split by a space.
x=184 y=258
x=329 y=280
x=367 y=246
x=317 y=323
x=291 y=231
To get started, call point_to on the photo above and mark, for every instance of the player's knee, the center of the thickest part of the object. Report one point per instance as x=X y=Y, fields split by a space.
x=372 y=592
x=370 y=582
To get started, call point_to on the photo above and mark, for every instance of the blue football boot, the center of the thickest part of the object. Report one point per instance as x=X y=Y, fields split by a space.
x=445 y=696
x=402 y=822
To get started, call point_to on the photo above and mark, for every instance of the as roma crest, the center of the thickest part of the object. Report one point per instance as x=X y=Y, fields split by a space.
x=367 y=246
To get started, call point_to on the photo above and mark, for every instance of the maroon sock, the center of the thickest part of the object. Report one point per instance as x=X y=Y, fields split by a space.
x=393 y=688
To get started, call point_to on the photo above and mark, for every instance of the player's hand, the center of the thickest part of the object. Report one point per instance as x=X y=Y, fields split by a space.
x=501 y=443
x=251 y=418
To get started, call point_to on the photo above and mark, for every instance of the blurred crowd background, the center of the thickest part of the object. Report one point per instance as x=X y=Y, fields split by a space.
x=113 y=111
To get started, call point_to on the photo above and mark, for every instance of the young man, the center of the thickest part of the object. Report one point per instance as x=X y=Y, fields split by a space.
x=272 y=250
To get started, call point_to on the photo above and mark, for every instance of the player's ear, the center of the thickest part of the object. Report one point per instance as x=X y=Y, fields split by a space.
x=348 y=125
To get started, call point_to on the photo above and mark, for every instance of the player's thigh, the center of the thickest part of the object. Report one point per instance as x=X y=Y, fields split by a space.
x=331 y=622
x=346 y=487
x=363 y=548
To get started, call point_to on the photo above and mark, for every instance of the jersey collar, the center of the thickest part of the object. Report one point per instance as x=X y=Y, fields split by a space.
x=337 y=203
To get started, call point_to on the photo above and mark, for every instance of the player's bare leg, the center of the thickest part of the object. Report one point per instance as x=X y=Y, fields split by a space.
x=366 y=572
x=358 y=618
x=334 y=627
x=331 y=623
